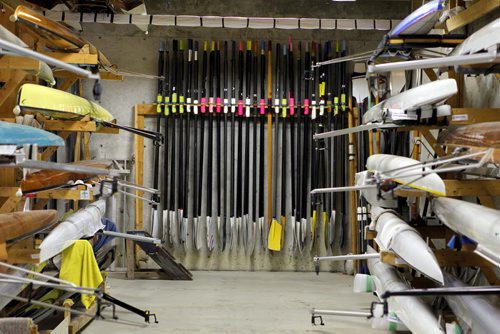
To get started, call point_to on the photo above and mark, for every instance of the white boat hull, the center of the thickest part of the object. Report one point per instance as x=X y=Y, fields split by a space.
x=477 y=222
x=415 y=314
x=83 y=223
x=407 y=106
x=396 y=235
x=476 y=313
x=387 y=164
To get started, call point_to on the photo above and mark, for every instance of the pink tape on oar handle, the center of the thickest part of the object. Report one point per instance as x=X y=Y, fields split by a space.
x=292 y=106
x=306 y=106
x=217 y=107
x=240 y=107
x=262 y=106
x=203 y=107
x=210 y=104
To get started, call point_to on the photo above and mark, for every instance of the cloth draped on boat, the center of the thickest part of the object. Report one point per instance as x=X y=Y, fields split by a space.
x=79 y=266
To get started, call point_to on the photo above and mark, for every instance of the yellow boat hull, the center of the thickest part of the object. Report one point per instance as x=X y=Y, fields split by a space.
x=59 y=104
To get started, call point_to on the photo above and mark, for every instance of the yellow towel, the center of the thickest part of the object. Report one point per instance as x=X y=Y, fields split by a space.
x=79 y=266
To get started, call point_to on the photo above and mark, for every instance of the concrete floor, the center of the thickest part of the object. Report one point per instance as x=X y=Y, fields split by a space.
x=238 y=302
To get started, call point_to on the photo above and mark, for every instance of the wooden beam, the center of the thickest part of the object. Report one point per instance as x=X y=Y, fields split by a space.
x=10 y=86
x=103 y=74
x=67 y=83
x=70 y=126
x=18 y=63
x=457 y=100
x=464 y=116
x=10 y=204
x=69 y=194
x=431 y=74
x=139 y=166
x=433 y=142
x=458 y=188
x=471 y=14
x=74 y=58
x=453 y=258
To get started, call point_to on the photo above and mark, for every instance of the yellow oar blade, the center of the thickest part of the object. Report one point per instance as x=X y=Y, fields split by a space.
x=274 y=239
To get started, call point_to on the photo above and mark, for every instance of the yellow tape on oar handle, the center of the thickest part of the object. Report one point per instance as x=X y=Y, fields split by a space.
x=343 y=101
x=181 y=104
x=336 y=105
x=159 y=100
x=322 y=88
x=174 y=103
x=283 y=108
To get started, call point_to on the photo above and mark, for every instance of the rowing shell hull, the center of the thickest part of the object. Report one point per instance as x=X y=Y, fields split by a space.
x=403 y=106
x=50 y=179
x=59 y=104
x=19 y=135
x=477 y=222
x=477 y=137
x=43 y=72
x=420 y=21
x=56 y=35
x=19 y=224
x=481 y=40
x=84 y=223
x=395 y=234
x=476 y=313
x=386 y=164
x=415 y=314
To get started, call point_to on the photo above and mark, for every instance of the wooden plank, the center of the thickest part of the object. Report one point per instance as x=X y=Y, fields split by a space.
x=23 y=252
x=487 y=201
x=433 y=142
x=459 y=188
x=146 y=109
x=471 y=14
x=139 y=168
x=67 y=83
x=453 y=258
x=10 y=204
x=70 y=126
x=107 y=130
x=78 y=146
x=464 y=116
x=74 y=58
x=86 y=146
x=431 y=74
x=370 y=234
x=392 y=259
x=18 y=63
x=15 y=78
x=79 y=322
x=68 y=194
x=457 y=100
x=104 y=75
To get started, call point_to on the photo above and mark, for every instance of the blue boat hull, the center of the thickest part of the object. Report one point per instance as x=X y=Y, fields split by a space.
x=19 y=135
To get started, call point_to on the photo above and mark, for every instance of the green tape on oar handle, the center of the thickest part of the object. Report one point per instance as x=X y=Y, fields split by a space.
x=174 y=103
x=159 y=100
x=343 y=101
x=181 y=104
x=336 y=105
x=283 y=108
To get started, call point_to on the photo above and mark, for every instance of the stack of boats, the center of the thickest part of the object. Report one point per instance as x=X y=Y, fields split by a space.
x=473 y=150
